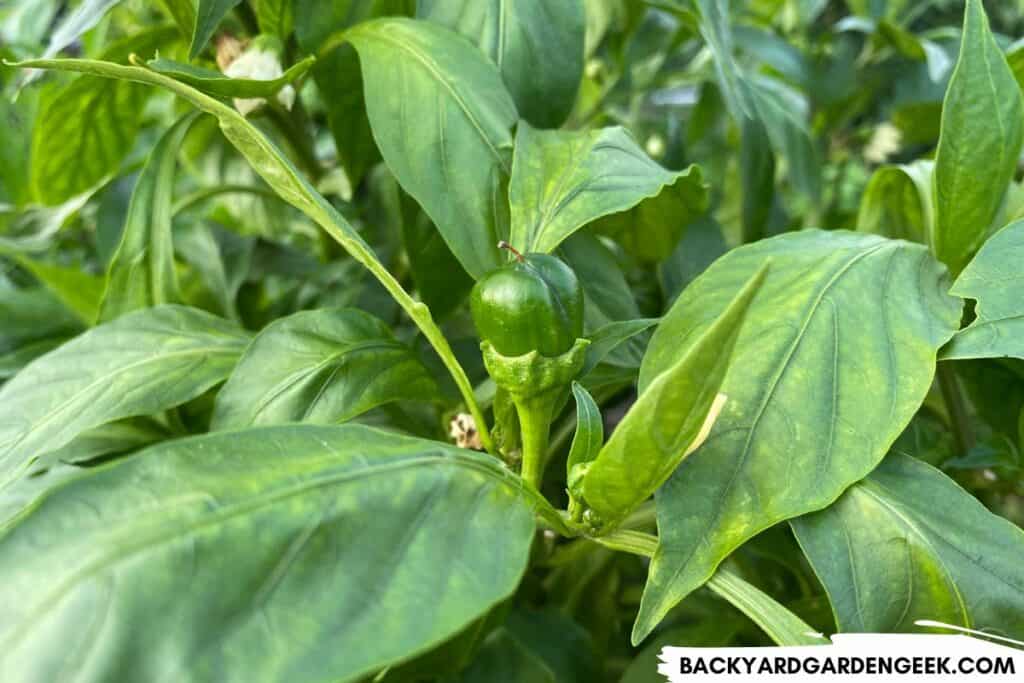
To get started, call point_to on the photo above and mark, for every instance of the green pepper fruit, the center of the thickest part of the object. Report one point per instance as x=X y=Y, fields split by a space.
x=529 y=315
x=535 y=303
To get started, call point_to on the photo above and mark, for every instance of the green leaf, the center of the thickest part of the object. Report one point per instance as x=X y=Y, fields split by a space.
x=209 y=14
x=141 y=363
x=442 y=119
x=980 y=140
x=222 y=259
x=215 y=83
x=610 y=337
x=677 y=405
x=282 y=176
x=780 y=624
x=183 y=12
x=898 y=202
x=907 y=543
x=79 y=291
x=337 y=73
x=32 y=313
x=141 y=271
x=113 y=438
x=275 y=17
x=86 y=128
x=282 y=553
x=589 y=436
x=86 y=15
x=835 y=357
x=322 y=366
x=607 y=296
x=994 y=279
x=537 y=46
x=504 y=659
x=563 y=180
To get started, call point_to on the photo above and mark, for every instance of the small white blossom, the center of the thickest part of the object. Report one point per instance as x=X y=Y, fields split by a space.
x=884 y=143
x=260 y=65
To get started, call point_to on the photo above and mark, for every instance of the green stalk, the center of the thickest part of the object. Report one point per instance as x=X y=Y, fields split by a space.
x=780 y=624
x=267 y=160
x=535 y=429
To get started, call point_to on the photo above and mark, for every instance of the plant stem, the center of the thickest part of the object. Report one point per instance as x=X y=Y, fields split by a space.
x=190 y=200
x=535 y=428
x=954 y=399
x=780 y=624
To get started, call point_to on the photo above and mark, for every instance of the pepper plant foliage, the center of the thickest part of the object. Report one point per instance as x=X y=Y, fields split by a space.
x=746 y=367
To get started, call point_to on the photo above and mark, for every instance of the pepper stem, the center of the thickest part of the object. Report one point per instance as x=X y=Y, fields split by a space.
x=535 y=428
x=508 y=247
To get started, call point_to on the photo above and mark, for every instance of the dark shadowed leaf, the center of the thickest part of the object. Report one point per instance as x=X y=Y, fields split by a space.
x=906 y=544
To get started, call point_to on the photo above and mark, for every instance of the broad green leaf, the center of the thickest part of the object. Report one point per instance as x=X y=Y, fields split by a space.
x=563 y=180
x=209 y=14
x=442 y=119
x=275 y=17
x=537 y=46
x=898 y=202
x=283 y=553
x=110 y=439
x=610 y=337
x=215 y=83
x=995 y=280
x=141 y=271
x=677 y=405
x=324 y=366
x=589 y=436
x=908 y=544
x=79 y=291
x=337 y=73
x=980 y=140
x=607 y=296
x=835 y=357
x=141 y=363
x=87 y=127
x=267 y=160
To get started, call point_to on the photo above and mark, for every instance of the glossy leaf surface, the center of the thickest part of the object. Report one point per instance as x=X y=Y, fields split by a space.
x=677 y=405
x=323 y=366
x=982 y=131
x=139 y=364
x=537 y=46
x=908 y=544
x=442 y=119
x=563 y=180
x=280 y=553
x=843 y=336
x=994 y=279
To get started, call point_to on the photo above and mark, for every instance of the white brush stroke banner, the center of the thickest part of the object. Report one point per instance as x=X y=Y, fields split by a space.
x=936 y=658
